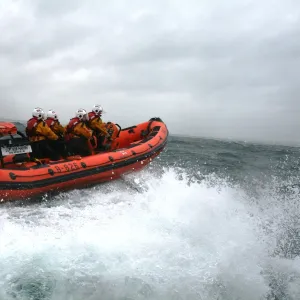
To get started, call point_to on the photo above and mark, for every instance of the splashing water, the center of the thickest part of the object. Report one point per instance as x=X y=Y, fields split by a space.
x=147 y=237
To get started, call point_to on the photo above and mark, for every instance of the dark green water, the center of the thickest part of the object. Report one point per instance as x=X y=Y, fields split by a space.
x=207 y=220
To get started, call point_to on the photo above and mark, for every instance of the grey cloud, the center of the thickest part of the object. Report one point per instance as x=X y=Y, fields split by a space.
x=210 y=69
x=55 y=8
x=43 y=43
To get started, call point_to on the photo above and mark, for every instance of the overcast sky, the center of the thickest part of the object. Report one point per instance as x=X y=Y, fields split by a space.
x=213 y=68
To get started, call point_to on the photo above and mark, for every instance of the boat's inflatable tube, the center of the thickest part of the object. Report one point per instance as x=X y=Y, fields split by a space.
x=132 y=149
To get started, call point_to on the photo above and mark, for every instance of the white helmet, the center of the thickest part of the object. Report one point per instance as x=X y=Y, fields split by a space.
x=81 y=114
x=97 y=109
x=38 y=113
x=52 y=114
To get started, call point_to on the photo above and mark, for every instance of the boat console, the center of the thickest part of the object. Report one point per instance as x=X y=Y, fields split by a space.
x=13 y=141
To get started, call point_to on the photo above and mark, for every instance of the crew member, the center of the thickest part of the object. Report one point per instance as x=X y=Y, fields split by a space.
x=39 y=133
x=54 y=124
x=95 y=122
x=78 y=134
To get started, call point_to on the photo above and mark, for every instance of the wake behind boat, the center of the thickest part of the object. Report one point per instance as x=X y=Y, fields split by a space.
x=133 y=148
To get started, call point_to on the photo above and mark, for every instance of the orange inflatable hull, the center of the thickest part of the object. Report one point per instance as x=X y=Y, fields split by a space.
x=136 y=147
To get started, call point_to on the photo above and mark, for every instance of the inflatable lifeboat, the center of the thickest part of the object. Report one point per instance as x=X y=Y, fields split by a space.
x=22 y=178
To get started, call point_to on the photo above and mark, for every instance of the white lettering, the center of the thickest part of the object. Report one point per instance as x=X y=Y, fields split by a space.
x=15 y=150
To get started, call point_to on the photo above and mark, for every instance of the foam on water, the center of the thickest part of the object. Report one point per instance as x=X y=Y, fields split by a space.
x=164 y=239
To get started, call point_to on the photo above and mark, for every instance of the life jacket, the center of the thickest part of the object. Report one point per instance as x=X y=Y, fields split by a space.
x=70 y=128
x=54 y=125
x=73 y=122
x=50 y=122
x=31 y=127
x=92 y=116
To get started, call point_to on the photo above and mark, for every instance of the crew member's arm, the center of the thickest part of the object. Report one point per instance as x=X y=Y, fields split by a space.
x=81 y=130
x=59 y=128
x=100 y=126
x=43 y=129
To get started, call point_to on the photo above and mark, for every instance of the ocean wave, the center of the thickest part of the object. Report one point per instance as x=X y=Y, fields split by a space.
x=152 y=235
